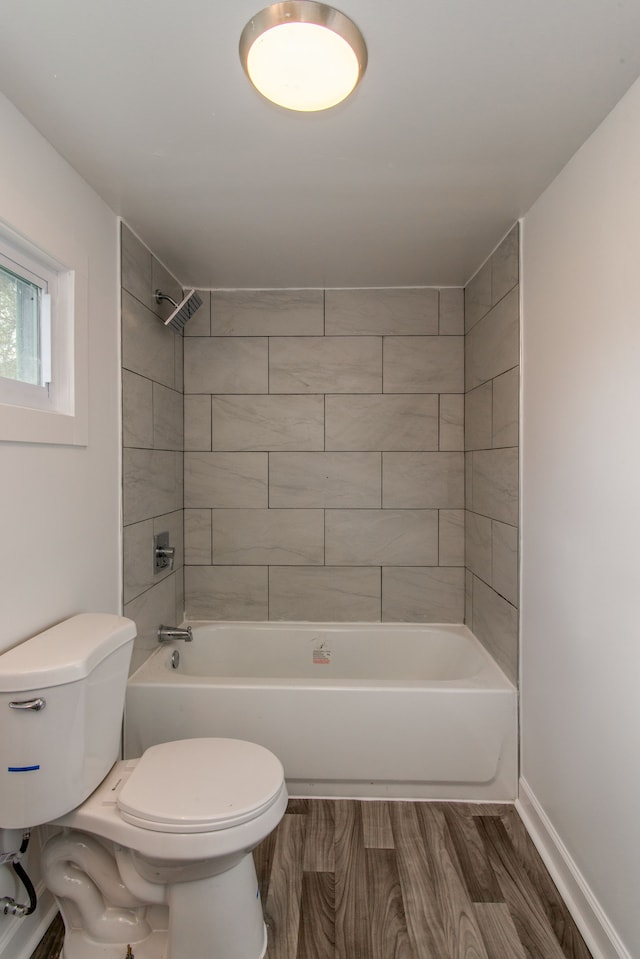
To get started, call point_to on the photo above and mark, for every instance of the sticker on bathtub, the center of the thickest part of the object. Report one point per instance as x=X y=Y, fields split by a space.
x=321 y=656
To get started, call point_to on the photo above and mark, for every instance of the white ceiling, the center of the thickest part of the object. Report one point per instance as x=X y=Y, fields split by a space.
x=466 y=112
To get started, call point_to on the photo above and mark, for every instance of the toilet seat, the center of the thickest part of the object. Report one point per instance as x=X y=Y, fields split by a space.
x=200 y=786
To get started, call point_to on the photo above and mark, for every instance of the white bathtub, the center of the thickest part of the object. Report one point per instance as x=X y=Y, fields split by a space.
x=375 y=710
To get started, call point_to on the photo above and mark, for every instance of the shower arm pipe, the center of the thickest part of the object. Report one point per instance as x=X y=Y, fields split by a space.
x=160 y=296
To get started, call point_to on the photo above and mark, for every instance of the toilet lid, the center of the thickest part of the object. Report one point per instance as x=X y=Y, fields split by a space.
x=200 y=785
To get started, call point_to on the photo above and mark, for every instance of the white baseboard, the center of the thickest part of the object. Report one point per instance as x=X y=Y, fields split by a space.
x=598 y=933
x=19 y=937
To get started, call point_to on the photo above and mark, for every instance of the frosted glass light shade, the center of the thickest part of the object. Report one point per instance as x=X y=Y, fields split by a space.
x=303 y=55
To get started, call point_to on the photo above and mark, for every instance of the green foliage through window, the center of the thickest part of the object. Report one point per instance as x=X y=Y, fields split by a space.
x=20 y=303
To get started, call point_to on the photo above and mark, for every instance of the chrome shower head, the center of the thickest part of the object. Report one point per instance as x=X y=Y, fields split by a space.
x=183 y=311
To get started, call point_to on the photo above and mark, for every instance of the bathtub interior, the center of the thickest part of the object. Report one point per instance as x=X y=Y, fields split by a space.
x=398 y=653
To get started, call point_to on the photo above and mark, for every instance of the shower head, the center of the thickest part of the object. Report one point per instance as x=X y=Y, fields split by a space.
x=183 y=311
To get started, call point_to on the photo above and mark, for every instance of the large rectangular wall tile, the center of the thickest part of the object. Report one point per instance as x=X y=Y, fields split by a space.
x=423 y=364
x=226 y=592
x=381 y=537
x=267 y=312
x=388 y=422
x=493 y=345
x=219 y=364
x=423 y=480
x=477 y=296
x=423 y=595
x=137 y=411
x=269 y=537
x=451 y=537
x=399 y=311
x=136 y=268
x=478 y=407
x=345 y=364
x=268 y=422
x=506 y=408
x=299 y=480
x=321 y=594
x=168 y=418
x=152 y=483
x=504 y=540
x=495 y=484
x=468 y=480
x=468 y=598
x=197 y=537
x=179 y=584
x=138 y=559
x=197 y=422
x=451 y=421
x=478 y=545
x=225 y=480
x=178 y=361
x=504 y=266
x=495 y=623
x=451 y=311
x=148 y=610
x=147 y=347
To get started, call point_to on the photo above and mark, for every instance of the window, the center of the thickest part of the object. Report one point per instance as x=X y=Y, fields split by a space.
x=41 y=346
x=25 y=331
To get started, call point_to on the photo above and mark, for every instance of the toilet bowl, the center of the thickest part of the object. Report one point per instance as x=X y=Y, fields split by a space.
x=180 y=824
x=157 y=858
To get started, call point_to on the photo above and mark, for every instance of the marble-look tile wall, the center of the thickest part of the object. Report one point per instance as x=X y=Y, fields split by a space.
x=153 y=441
x=492 y=382
x=324 y=456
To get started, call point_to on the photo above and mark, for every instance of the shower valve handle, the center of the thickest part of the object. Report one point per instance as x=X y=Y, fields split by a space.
x=166 y=552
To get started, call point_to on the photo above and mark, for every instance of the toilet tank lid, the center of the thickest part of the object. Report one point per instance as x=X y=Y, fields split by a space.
x=64 y=653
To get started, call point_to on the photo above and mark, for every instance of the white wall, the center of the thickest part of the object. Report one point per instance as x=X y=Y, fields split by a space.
x=581 y=516
x=59 y=549
x=60 y=505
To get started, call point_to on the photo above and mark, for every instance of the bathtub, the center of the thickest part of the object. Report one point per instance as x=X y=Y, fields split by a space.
x=375 y=710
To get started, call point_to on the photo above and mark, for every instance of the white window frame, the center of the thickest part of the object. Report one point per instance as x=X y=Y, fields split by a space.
x=55 y=413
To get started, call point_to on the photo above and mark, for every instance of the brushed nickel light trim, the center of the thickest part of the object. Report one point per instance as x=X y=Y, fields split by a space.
x=279 y=50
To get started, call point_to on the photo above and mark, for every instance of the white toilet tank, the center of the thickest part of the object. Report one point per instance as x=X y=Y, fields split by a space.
x=61 y=705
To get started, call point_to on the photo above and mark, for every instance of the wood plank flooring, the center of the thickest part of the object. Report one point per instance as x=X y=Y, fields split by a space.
x=342 y=879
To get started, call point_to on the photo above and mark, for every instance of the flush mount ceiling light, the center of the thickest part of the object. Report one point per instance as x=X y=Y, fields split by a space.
x=303 y=55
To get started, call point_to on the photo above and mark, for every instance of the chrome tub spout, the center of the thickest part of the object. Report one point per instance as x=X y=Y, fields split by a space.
x=167 y=634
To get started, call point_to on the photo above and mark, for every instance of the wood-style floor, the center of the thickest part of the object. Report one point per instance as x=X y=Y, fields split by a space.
x=377 y=880
x=342 y=879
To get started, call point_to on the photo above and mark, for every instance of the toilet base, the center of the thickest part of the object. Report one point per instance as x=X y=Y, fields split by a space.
x=214 y=917
x=77 y=946
x=219 y=917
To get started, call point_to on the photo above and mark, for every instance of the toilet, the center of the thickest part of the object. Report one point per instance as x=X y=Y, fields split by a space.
x=151 y=857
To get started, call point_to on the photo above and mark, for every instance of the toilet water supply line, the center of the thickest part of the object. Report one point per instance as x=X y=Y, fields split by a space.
x=8 y=905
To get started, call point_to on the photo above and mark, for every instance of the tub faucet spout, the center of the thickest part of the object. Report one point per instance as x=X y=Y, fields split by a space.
x=167 y=634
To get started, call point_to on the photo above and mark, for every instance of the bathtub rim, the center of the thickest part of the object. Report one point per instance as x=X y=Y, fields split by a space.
x=490 y=675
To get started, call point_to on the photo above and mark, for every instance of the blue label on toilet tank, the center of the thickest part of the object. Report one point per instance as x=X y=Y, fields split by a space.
x=22 y=769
